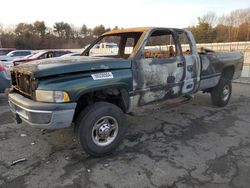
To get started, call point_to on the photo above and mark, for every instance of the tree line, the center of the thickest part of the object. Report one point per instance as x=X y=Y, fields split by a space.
x=210 y=28
x=38 y=36
x=227 y=28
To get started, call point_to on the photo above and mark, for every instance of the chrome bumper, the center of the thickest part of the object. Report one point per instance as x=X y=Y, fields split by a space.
x=41 y=115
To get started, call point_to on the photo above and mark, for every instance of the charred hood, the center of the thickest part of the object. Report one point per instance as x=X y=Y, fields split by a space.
x=58 y=66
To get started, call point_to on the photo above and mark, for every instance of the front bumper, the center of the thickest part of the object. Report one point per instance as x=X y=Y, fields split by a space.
x=41 y=115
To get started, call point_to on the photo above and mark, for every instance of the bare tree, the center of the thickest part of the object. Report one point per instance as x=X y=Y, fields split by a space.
x=233 y=22
x=211 y=18
x=84 y=30
x=40 y=28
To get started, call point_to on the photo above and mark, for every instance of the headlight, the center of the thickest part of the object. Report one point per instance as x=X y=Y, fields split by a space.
x=52 y=96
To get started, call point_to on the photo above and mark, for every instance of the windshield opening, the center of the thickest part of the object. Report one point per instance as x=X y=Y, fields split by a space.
x=118 y=46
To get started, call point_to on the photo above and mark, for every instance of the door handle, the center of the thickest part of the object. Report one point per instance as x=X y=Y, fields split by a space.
x=181 y=64
x=190 y=68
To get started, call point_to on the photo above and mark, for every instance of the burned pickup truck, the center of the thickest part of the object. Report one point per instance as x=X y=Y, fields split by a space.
x=93 y=91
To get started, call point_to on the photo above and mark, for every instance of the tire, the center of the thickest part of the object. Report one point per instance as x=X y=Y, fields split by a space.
x=220 y=95
x=100 y=128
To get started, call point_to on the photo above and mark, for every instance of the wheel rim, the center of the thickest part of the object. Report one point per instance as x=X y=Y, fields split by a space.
x=225 y=92
x=105 y=131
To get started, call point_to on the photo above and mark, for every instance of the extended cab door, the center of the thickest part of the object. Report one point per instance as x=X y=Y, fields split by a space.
x=192 y=62
x=159 y=67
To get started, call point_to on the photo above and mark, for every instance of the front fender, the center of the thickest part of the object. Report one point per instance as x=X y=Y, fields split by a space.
x=78 y=85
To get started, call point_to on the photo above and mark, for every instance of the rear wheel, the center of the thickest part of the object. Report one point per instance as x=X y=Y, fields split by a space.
x=220 y=95
x=100 y=128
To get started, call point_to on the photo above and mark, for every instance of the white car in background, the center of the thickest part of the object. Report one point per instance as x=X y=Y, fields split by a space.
x=104 y=49
x=15 y=55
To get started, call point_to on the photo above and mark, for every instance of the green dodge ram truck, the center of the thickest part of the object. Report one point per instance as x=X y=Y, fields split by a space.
x=93 y=91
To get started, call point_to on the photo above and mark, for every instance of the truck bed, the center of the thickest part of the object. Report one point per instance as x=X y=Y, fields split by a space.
x=213 y=64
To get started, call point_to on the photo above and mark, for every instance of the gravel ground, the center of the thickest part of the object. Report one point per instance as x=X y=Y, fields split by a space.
x=190 y=145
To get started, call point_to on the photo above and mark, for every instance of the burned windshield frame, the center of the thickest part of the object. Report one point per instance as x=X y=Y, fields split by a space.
x=126 y=35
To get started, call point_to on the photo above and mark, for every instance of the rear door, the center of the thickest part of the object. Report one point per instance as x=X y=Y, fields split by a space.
x=192 y=63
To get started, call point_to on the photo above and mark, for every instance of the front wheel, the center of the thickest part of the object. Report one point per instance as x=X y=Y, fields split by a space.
x=221 y=94
x=101 y=127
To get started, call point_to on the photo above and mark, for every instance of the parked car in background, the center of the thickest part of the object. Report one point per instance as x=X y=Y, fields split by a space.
x=41 y=55
x=5 y=67
x=71 y=54
x=8 y=63
x=5 y=51
x=15 y=55
x=59 y=53
x=5 y=78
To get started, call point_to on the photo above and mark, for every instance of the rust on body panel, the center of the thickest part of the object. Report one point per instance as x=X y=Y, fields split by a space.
x=129 y=30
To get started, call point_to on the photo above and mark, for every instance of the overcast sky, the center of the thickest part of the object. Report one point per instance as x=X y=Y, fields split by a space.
x=123 y=13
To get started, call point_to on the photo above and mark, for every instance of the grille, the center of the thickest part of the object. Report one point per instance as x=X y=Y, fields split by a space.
x=23 y=83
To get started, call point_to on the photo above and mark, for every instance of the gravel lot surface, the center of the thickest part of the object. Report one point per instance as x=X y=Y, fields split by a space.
x=190 y=145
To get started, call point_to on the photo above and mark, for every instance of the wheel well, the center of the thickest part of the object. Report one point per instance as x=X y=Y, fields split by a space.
x=228 y=72
x=118 y=97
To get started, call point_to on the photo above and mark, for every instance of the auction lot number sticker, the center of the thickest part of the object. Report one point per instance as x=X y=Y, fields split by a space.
x=102 y=76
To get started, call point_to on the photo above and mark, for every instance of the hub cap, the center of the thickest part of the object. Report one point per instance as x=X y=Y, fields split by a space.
x=225 y=93
x=105 y=131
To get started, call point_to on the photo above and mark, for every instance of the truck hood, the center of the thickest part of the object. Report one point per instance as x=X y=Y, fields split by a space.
x=57 y=66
